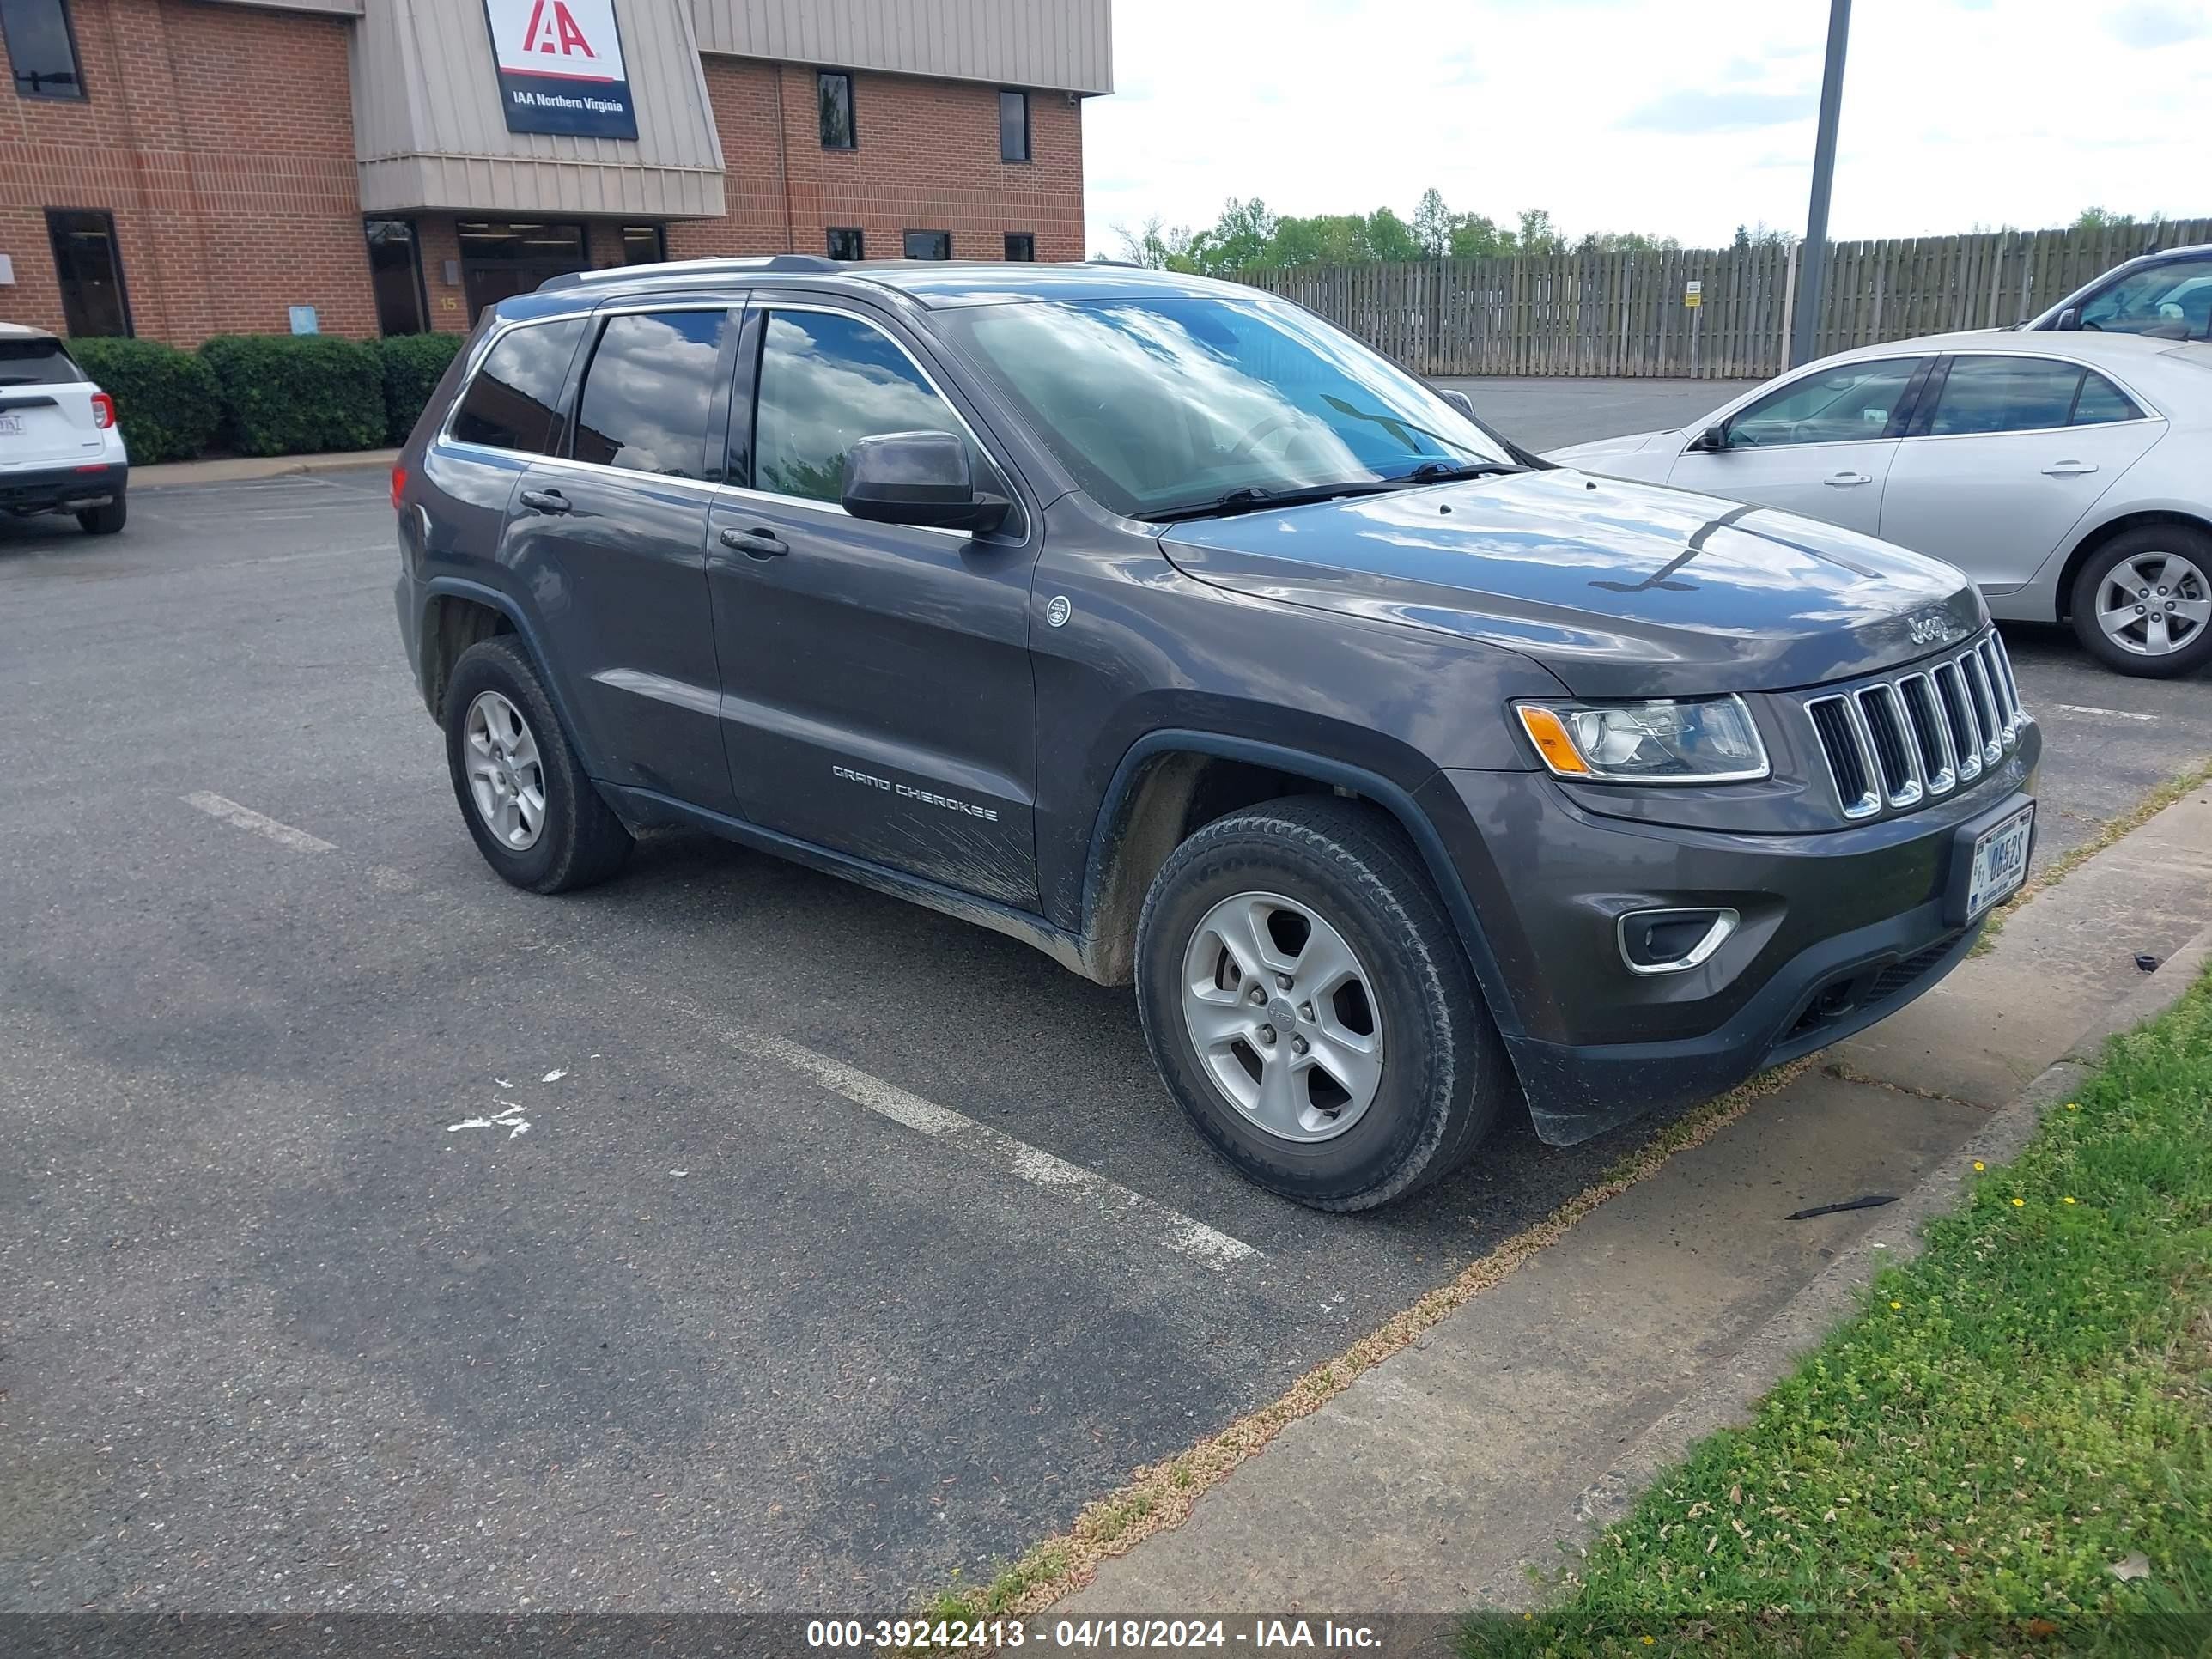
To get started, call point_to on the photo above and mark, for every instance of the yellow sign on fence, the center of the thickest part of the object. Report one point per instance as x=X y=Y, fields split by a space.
x=1693 y=295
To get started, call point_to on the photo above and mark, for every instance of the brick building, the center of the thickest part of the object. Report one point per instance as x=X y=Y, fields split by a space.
x=180 y=168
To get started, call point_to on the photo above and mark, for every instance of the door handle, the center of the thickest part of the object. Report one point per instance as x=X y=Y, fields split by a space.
x=1844 y=480
x=2069 y=468
x=545 y=501
x=759 y=543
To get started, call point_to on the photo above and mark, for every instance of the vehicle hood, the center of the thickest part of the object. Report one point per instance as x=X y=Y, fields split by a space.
x=1598 y=450
x=1621 y=590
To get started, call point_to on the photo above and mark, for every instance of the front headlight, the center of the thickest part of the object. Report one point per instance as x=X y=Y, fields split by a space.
x=1670 y=740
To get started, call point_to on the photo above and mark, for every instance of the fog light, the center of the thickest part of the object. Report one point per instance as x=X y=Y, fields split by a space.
x=1673 y=941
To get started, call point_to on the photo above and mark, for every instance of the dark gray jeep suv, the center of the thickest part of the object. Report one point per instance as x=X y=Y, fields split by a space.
x=1156 y=623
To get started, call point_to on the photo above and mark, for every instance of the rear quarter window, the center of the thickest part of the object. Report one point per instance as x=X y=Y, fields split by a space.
x=513 y=400
x=37 y=362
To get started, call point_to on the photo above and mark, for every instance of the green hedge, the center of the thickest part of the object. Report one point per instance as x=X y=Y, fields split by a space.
x=166 y=400
x=294 y=394
x=412 y=366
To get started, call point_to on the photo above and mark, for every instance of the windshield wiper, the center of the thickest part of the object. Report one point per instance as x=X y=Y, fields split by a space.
x=1252 y=497
x=1446 y=471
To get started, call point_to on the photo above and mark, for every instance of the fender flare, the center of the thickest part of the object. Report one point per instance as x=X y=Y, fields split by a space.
x=1392 y=798
x=459 y=587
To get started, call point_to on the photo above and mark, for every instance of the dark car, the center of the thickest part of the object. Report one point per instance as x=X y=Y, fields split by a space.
x=2166 y=294
x=1154 y=621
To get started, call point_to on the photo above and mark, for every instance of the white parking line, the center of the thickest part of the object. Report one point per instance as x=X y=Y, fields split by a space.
x=1178 y=1232
x=219 y=806
x=2104 y=713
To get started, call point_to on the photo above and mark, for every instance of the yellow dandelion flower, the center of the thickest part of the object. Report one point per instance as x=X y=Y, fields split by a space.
x=1647 y=1641
x=1895 y=1306
x=2073 y=1105
x=2019 y=1204
x=1979 y=1164
x=2070 y=1200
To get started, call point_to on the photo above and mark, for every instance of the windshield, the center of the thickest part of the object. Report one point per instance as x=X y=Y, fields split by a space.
x=1156 y=405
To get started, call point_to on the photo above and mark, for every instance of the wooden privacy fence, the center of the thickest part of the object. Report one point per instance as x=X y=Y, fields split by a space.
x=1623 y=313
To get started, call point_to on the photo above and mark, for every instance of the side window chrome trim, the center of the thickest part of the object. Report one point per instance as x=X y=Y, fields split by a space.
x=771 y=307
x=831 y=509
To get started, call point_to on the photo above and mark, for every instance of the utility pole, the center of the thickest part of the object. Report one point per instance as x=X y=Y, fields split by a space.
x=1813 y=267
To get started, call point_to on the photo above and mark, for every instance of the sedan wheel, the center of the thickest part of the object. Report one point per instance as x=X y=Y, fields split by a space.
x=2143 y=602
x=2154 y=604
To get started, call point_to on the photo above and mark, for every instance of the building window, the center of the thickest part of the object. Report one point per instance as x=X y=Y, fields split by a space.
x=89 y=269
x=929 y=244
x=41 y=48
x=395 y=271
x=1013 y=126
x=838 y=131
x=846 y=242
x=644 y=245
x=1021 y=244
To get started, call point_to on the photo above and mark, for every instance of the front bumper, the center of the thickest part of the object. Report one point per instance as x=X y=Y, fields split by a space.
x=1837 y=930
x=63 y=488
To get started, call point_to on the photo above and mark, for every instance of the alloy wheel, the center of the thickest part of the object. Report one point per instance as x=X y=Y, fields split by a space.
x=2154 y=604
x=507 y=781
x=1283 y=1015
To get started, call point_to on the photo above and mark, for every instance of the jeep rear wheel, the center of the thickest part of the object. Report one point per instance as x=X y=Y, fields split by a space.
x=535 y=818
x=1309 y=1007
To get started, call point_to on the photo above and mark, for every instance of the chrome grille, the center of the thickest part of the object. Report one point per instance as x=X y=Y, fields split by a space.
x=1899 y=742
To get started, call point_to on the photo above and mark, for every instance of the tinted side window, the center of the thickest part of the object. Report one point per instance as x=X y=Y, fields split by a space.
x=825 y=382
x=646 y=392
x=512 y=404
x=1851 y=400
x=2005 y=394
x=2101 y=401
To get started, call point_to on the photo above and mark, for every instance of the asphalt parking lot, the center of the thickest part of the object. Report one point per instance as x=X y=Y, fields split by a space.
x=846 y=1245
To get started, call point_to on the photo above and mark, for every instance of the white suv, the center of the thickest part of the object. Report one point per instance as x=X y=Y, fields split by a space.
x=60 y=449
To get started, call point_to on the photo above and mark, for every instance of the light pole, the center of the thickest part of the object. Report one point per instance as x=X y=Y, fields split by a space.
x=1813 y=269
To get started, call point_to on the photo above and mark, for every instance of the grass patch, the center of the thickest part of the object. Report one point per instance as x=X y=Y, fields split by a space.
x=2107 y=832
x=2023 y=1407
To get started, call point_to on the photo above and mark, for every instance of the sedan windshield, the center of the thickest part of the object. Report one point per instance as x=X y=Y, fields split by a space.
x=1163 y=407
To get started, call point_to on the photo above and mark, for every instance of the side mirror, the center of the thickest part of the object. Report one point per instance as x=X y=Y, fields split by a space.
x=2068 y=319
x=1462 y=402
x=1713 y=438
x=918 y=478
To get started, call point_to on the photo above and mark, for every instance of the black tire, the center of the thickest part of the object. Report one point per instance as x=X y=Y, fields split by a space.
x=1444 y=1073
x=579 y=840
x=2180 y=540
x=105 y=519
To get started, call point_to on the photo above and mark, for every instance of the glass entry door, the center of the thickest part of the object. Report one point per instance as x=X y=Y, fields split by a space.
x=500 y=259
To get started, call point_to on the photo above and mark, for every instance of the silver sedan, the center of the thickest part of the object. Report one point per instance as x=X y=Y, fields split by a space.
x=2068 y=474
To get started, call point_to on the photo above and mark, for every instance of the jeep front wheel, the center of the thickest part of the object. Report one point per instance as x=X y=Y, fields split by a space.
x=1309 y=1007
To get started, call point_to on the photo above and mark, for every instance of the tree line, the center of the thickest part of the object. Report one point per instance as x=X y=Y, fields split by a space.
x=1249 y=236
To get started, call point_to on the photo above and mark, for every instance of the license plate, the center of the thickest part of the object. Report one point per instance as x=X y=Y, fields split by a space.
x=11 y=425
x=2000 y=861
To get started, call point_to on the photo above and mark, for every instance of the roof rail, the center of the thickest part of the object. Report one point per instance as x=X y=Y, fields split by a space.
x=689 y=268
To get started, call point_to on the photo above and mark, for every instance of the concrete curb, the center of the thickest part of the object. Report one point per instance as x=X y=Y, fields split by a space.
x=242 y=469
x=1727 y=1398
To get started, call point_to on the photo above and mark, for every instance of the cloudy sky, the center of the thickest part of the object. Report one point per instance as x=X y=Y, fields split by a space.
x=1681 y=117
